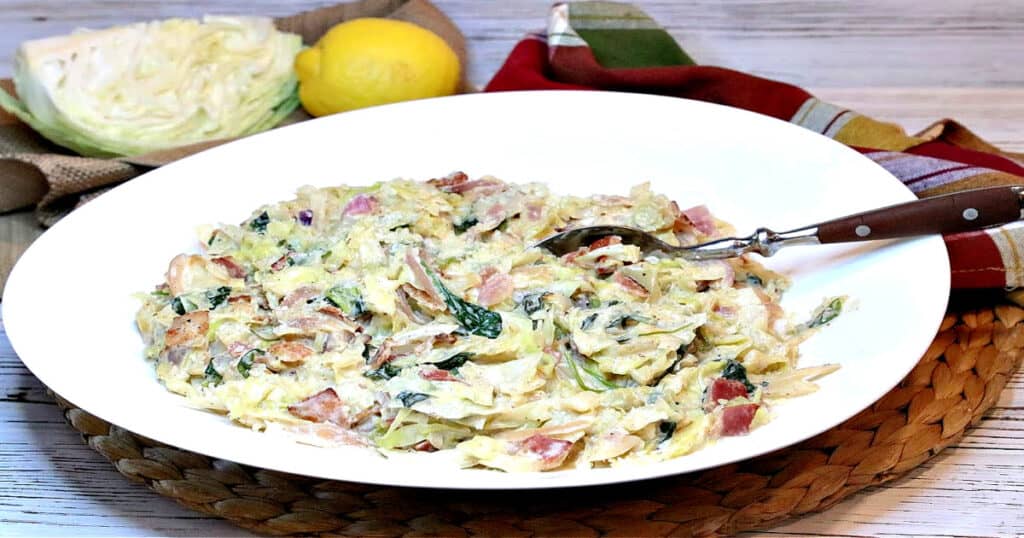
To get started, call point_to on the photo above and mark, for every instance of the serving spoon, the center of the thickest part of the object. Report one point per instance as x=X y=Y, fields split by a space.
x=951 y=213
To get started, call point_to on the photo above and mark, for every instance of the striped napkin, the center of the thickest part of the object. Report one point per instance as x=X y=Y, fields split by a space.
x=614 y=46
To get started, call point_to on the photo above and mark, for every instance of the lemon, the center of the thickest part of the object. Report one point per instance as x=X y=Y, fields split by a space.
x=366 y=62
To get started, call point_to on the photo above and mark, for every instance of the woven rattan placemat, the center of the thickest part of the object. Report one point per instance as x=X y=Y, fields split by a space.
x=958 y=379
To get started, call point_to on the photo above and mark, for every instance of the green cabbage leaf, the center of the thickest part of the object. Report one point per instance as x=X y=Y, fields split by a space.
x=144 y=87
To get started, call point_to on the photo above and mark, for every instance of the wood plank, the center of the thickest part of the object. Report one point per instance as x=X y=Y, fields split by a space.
x=995 y=114
x=17 y=231
x=831 y=43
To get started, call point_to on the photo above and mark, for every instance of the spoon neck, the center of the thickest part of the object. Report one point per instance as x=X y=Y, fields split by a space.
x=766 y=242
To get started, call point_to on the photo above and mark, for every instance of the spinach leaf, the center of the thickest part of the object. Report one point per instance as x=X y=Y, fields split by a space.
x=160 y=293
x=385 y=372
x=474 y=318
x=533 y=302
x=666 y=429
x=217 y=296
x=182 y=305
x=737 y=372
x=461 y=227
x=245 y=363
x=410 y=399
x=826 y=313
x=668 y=370
x=348 y=299
x=212 y=375
x=588 y=321
x=626 y=321
x=259 y=224
x=453 y=362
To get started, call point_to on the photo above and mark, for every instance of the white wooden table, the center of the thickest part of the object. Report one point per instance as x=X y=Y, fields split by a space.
x=906 y=61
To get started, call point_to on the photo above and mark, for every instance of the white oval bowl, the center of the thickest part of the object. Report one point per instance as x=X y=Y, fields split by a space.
x=69 y=310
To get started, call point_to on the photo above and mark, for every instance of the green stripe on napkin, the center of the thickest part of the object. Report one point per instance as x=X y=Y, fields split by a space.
x=623 y=36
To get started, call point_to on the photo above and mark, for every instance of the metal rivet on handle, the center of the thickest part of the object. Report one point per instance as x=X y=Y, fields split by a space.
x=970 y=213
x=862 y=230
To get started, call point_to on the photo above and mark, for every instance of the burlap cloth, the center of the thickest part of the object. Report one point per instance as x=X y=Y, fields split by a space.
x=34 y=172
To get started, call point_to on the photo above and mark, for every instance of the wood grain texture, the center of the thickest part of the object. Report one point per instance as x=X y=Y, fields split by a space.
x=910 y=62
x=837 y=43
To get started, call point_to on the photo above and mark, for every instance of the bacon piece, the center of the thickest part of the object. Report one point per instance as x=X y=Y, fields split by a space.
x=360 y=204
x=496 y=287
x=603 y=266
x=492 y=218
x=549 y=450
x=483 y=186
x=402 y=303
x=188 y=329
x=240 y=299
x=290 y=353
x=422 y=281
x=632 y=286
x=333 y=311
x=281 y=262
x=730 y=274
x=424 y=299
x=175 y=354
x=418 y=341
x=449 y=182
x=323 y=434
x=488 y=272
x=570 y=257
x=190 y=271
x=679 y=224
x=436 y=374
x=301 y=294
x=237 y=349
x=534 y=211
x=445 y=339
x=774 y=310
x=324 y=406
x=308 y=323
x=229 y=263
x=736 y=419
x=568 y=428
x=424 y=446
x=724 y=389
x=384 y=354
x=699 y=217
x=605 y=241
x=725 y=311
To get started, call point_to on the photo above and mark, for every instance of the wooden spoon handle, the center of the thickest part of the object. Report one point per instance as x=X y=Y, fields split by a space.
x=951 y=213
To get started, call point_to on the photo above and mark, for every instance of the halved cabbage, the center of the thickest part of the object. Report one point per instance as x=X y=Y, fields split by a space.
x=133 y=89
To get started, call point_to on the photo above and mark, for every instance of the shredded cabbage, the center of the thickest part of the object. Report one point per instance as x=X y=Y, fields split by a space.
x=372 y=316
